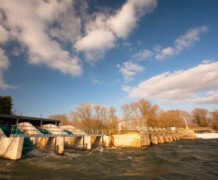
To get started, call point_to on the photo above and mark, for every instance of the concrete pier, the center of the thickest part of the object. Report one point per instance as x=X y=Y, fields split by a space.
x=145 y=140
x=11 y=147
x=58 y=142
x=107 y=141
x=153 y=139
x=160 y=139
x=81 y=141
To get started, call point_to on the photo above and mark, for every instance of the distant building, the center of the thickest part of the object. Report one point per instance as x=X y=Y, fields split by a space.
x=131 y=125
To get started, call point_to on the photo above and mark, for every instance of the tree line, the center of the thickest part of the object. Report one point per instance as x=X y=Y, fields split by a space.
x=6 y=105
x=138 y=113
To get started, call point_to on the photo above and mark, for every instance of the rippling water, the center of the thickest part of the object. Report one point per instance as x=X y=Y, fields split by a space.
x=193 y=159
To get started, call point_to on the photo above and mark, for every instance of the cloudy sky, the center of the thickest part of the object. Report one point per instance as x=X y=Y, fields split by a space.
x=55 y=54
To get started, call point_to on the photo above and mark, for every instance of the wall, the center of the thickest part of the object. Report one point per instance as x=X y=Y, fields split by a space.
x=11 y=147
x=127 y=140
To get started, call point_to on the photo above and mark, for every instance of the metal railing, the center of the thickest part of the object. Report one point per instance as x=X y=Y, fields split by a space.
x=32 y=131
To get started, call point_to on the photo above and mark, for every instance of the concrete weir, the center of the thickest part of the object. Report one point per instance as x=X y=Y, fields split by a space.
x=132 y=140
x=145 y=140
x=28 y=128
x=154 y=140
x=57 y=142
x=10 y=147
x=58 y=138
x=80 y=140
x=160 y=139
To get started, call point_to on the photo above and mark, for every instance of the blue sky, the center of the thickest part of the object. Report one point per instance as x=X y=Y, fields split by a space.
x=56 y=55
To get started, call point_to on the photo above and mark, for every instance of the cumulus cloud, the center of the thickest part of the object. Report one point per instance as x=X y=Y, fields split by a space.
x=96 y=43
x=45 y=28
x=4 y=35
x=142 y=54
x=30 y=22
x=126 y=18
x=130 y=69
x=182 y=42
x=102 y=33
x=179 y=86
x=211 y=99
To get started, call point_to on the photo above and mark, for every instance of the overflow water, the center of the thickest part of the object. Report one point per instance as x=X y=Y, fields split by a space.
x=189 y=159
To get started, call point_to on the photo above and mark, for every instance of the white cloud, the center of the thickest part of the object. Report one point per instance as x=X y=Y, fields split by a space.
x=102 y=33
x=4 y=64
x=30 y=21
x=211 y=99
x=206 y=61
x=126 y=88
x=179 y=86
x=4 y=35
x=166 y=52
x=142 y=55
x=182 y=42
x=44 y=28
x=129 y=69
x=126 y=18
x=97 y=39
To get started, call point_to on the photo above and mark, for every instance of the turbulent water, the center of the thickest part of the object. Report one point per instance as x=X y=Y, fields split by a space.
x=207 y=135
x=193 y=159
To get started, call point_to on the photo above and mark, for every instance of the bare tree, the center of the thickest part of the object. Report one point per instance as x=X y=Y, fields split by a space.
x=214 y=115
x=200 y=117
x=112 y=118
x=100 y=113
x=126 y=111
x=62 y=117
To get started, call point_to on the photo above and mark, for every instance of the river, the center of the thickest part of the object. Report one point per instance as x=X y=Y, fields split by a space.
x=187 y=159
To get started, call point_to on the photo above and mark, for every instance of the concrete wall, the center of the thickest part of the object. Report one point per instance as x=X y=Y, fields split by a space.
x=127 y=140
x=11 y=147
x=145 y=140
x=107 y=141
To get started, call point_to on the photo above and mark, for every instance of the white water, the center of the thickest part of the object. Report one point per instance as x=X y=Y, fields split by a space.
x=207 y=135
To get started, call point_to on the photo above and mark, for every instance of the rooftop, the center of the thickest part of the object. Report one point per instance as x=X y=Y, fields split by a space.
x=6 y=119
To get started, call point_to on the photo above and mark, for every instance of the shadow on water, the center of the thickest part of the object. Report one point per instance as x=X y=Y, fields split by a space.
x=193 y=159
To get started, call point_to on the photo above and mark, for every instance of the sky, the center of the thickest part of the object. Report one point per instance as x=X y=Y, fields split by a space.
x=55 y=55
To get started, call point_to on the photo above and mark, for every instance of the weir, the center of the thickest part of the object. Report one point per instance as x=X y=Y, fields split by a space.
x=18 y=138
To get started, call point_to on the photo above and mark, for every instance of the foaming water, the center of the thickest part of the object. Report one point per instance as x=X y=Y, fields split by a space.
x=207 y=135
x=193 y=159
